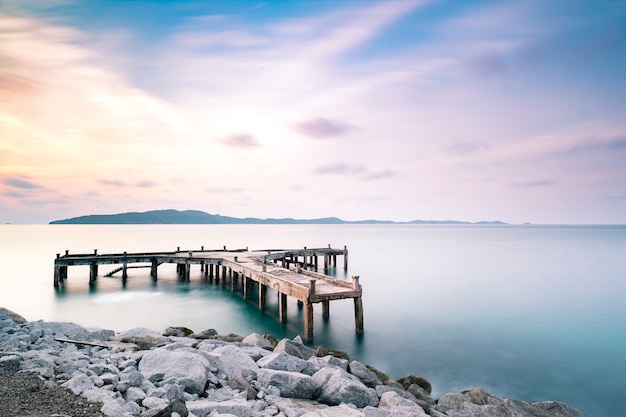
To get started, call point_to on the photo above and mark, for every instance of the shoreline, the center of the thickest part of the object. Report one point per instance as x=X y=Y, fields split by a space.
x=141 y=372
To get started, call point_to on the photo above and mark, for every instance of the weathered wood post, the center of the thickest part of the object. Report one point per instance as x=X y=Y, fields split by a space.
x=262 y=295
x=124 y=270
x=282 y=307
x=246 y=287
x=153 y=269
x=233 y=281
x=358 y=306
x=56 y=272
x=345 y=258
x=325 y=309
x=308 y=312
x=217 y=273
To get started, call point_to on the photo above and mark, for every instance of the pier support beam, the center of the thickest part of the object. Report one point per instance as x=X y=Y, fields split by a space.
x=282 y=307
x=93 y=273
x=153 y=269
x=262 y=295
x=358 y=314
x=308 y=321
x=325 y=309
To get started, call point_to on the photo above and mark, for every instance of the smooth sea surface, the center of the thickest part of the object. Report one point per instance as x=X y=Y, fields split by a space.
x=527 y=312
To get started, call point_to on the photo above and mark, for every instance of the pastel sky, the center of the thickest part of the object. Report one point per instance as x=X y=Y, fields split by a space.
x=392 y=110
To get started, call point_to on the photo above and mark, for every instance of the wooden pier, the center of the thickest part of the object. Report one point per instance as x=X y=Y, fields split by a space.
x=289 y=272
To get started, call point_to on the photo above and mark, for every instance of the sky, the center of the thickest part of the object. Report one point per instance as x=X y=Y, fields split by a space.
x=511 y=110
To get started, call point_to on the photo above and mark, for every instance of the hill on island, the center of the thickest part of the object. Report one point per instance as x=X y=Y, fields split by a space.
x=200 y=217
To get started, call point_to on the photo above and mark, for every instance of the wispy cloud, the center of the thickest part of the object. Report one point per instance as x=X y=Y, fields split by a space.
x=241 y=140
x=322 y=128
x=538 y=183
x=20 y=182
x=340 y=169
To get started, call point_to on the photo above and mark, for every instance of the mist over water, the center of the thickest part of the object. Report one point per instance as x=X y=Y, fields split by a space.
x=527 y=312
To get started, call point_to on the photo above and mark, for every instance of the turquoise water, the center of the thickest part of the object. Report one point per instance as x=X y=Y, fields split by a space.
x=527 y=312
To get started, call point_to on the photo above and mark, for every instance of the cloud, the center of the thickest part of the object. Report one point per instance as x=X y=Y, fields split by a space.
x=464 y=148
x=20 y=182
x=145 y=184
x=112 y=183
x=322 y=128
x=241 y=140
x=539 y=183
x=380 y=175
x=340 y=169
x=223 y=190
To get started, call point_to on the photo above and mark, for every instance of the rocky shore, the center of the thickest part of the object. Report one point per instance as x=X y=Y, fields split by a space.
x=63 y=369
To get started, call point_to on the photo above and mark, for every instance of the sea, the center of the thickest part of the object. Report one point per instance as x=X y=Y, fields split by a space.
x=529 y=312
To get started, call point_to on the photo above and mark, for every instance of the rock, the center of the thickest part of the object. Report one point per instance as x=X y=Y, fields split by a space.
x=290 y=384
x=240 y=384
x=79 y=384
x=175 y=406
x=329 y=360
x=10 y=363
x=453 y=400
x=177 y=331
x=380 y=374
x=296 y=349
x=135 y=394
x=144 y=338
x=202 y=408
x=336 y=386
x=395 y=402
x=322 y=351
x=381 y=389
x=409 y=380
x=362 y=372
x=191 y=370
x=10 y=315
x=236 y=363
x=420 y=394
x=282 y=361
x=256 y=339
x=557 y=409
x=205 y=334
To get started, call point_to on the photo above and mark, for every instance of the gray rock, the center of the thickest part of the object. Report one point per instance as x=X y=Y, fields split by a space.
x=10 y=363
x=241 y=384
x=6 y=314
x=381 y=389
x=336 y=386
x=420 y=394
x=135 y=394
x=202 y=408
x=328 y=360
x=290 y=384
x=236 y=363
x=177 y=331
x=188 y=369
x=294 y=349
x=256 y=339
x=362 y=372
x=453 y=400
x=175 y=406
x=79 y=384
x=395 y=402
x=205 y=334
x=282 y=361
x=409 y=380
x=557 y=409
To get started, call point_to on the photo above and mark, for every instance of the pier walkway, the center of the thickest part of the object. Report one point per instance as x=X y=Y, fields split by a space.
x=286 y=271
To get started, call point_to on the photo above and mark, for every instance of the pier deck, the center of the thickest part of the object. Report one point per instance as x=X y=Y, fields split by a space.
x=285 y=271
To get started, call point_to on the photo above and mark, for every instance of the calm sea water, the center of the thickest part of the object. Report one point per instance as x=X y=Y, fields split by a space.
x=526 y=312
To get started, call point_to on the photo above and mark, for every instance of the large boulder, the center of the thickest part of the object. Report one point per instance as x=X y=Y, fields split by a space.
x=479 y=402
x=409 y=380
x=294 y=348
x=203 y=408
x=10 y=315
x=368 y=377
x=144 y=338
x=191 y=370
x=282 y=361
x=336 y=386
x=395 y=402
x=236 y=363
x=290 y=384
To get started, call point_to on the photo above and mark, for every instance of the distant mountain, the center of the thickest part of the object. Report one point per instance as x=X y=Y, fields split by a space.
x=200 y=217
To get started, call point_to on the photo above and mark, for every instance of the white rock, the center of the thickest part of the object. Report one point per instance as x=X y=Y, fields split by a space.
x=290 y=384
x=190 y=370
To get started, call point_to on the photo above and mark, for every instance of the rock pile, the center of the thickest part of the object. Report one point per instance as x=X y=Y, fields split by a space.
x=178 y=373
